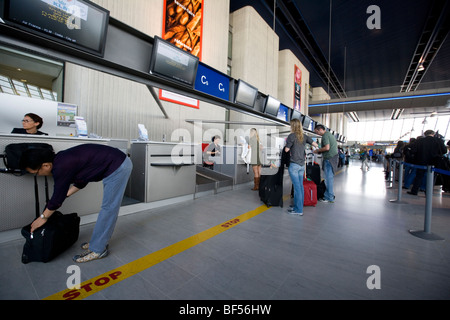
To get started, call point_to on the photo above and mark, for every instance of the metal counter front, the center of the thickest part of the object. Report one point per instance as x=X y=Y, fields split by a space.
x=17 y=200
x=162 y=170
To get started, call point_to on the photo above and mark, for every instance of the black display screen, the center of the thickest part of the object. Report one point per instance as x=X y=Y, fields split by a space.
x=77 y=23
x=307 y=122
x=295 y=114
x=245 y=94
x=272 y=106
x=173 y=63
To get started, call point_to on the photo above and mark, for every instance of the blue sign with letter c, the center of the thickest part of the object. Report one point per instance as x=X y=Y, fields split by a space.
x=212 y=82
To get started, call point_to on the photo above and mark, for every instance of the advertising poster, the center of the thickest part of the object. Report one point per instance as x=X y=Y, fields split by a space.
x=182 y=26
x=298 y=88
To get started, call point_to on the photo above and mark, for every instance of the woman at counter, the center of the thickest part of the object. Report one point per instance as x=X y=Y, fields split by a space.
x=72 y=170
x=295 y=145
x=31 y=124
x=211 y=151
x=255 y=149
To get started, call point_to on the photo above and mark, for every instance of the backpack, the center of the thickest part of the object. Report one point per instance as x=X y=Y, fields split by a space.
x=13 y=154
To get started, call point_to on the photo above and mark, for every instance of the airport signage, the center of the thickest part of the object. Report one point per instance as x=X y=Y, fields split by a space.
x=212 y=82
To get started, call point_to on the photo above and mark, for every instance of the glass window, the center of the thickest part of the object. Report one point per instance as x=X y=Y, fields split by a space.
x=34 y=91
x=47 y=94
x=20 y=88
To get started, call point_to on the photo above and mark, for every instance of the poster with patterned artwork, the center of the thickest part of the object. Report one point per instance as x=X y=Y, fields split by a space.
x=182 y=26
x=298 y=88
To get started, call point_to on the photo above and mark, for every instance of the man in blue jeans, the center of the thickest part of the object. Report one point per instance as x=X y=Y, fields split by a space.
x=330 y=159
x=72 y=170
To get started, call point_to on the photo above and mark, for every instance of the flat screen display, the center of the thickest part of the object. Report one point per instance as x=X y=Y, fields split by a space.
x=271 y=106
x=296 y=114
x=307 y=122
x=245 y=94
x=283 y=113
x=173 y=63
x=78 y=23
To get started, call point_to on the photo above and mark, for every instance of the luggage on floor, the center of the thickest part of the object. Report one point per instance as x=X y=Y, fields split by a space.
x=58 y=234
x=271 y=188
x=54 y=237
x=312 y=169
x=321 y=188
x=310 y=198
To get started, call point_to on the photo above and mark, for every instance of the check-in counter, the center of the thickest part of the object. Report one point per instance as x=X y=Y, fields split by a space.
x=17 y=200
x=162 y=170
x=233 y=165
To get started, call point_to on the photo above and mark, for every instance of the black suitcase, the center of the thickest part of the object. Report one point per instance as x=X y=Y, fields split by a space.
x=312 y=170
x=54 y=237
x=271 y=188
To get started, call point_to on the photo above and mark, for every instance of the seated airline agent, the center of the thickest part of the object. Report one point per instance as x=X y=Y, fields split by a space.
x=72 y=170
x=31 y=124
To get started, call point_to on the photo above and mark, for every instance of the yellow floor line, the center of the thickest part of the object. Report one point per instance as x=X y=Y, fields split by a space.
x=108 y=279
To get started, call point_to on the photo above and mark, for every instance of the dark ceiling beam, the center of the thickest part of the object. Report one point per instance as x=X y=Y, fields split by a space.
x=289 y=16
x=433 y=36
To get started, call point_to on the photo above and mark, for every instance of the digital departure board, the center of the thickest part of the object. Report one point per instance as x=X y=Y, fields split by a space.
x=271 y=106
x=245 y=94
x=173 y=63
x=77 y=23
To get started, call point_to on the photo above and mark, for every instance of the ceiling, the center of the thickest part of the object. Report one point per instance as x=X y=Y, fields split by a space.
x=350 y=61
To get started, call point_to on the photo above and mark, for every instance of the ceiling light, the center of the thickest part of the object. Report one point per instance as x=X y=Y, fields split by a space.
x=421 y=67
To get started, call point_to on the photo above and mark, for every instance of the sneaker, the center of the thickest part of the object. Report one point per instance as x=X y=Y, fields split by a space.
x=325 y=200
x=89 y=256
x=291 y=211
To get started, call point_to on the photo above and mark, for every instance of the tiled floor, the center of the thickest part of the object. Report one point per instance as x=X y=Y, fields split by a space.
x=323 y=255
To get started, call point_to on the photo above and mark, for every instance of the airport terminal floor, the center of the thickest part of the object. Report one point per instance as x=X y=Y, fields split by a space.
x=230 y=246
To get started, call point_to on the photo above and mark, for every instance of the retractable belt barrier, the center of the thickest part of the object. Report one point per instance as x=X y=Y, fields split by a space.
x=426 y=233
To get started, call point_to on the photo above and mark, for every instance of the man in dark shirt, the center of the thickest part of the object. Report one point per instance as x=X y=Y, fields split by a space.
x=72 y=170
x=426 y=151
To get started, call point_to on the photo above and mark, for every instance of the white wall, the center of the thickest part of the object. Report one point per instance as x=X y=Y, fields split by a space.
x=13 y=108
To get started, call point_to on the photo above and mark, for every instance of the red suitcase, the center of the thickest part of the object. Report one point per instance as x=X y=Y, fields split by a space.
x=310 y=198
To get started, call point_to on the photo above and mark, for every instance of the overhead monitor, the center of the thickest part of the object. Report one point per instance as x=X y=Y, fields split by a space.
x=80 y=24
x=307 y=122
x=171 y=62
x=283 y=113
x=296 y=115
x=245 y=94
x=271 y=106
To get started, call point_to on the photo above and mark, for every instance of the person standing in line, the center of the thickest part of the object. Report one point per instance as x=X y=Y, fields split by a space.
x=72 y=170
x=31 y=124
x=426 y=152
x=256 y=155
x=295 y=145
x=330 y=160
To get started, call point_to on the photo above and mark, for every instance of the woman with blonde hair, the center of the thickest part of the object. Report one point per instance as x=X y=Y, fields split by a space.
x=255 y=148
x=295 y=145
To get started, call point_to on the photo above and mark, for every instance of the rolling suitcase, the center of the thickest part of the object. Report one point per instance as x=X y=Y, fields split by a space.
x=310 y=188
x=271 y=188
x=54 y=237
x=312 y=170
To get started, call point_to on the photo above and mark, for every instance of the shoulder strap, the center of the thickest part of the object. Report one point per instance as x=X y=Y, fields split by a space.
x=36 y=197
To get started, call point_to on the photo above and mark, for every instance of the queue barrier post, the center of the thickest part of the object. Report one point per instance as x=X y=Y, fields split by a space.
x=426 y=233
x=400 y=184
